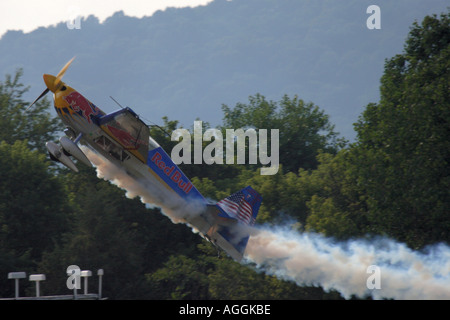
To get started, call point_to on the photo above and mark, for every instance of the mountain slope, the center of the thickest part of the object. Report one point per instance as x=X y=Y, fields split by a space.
x=184 y=63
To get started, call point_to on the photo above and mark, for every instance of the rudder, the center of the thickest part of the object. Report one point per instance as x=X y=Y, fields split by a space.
x=242 y=206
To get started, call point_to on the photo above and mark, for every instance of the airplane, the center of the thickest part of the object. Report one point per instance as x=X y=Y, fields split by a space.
x=124 y=139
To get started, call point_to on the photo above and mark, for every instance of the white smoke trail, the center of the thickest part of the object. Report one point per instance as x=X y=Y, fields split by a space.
x=152 y=195
x=311 y=259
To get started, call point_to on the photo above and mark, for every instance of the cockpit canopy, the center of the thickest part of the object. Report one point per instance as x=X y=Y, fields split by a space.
x=125 y=127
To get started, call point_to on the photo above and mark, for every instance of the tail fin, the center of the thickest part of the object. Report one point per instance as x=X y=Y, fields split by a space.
x=242 y=207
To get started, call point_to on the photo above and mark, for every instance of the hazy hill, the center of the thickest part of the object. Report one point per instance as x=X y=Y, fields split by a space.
x=184 y=63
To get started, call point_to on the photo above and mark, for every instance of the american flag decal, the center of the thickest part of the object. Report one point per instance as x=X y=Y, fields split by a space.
x=237 y=205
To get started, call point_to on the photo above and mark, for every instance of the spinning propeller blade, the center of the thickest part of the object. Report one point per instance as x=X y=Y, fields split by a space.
x=52 y=86
x=38 y=98
x=62 y=72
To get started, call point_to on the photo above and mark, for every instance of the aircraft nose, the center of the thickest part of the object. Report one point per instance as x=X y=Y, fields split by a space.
x=50 y=82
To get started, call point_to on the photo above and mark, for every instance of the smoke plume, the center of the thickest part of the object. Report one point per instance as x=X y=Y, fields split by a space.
x=174 y=208
x=377 y=268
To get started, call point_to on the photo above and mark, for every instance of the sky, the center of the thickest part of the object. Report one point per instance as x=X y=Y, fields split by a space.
x=27 y=15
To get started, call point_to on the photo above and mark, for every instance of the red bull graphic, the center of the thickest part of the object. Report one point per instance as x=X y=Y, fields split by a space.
x=174 y=175
x=125 y=138
x=82 y=106
x=161 y=163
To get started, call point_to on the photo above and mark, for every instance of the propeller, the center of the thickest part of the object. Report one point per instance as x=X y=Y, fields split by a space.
x=52 y=83
x=38 y=98
x=61 y=74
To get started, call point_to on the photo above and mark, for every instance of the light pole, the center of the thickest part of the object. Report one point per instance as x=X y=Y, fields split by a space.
x=16 y=276
x=37 y=278
x=100 y=274
x=85 y=274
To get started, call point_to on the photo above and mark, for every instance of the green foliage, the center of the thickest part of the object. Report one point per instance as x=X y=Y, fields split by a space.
x=393 y=181
x=36 y=126
x=304 y=129
x=115 y=233
x=404 y=141
x=181 y=278
x=209 y=277
x=33 y=208
x=336 y=208
x=31 y=200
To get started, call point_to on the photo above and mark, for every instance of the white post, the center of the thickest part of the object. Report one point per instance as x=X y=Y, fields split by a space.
x=70 y=274
x=100 y=274
x=16 y=276
x=85 y=274
x=37 y=278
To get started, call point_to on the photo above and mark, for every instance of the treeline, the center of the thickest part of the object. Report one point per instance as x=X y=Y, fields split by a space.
x=393 y=181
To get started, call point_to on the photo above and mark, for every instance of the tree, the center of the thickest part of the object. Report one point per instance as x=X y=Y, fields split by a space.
x=207 y=276
x=110 y=231
x=304 y=129
x=32 y=205
x=35 y=126
x=336 y=204
x=180 y=278
x=33 y=208
x=395 y=179
x=404 y=141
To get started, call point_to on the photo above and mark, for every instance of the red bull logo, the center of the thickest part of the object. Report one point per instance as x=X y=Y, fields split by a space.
x=81 y=105
x=125 y=138
x=174 y=175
